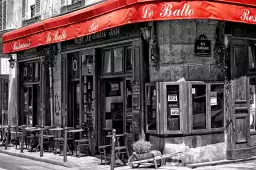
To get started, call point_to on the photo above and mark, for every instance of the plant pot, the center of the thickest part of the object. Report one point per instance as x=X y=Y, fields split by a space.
x=144 y=156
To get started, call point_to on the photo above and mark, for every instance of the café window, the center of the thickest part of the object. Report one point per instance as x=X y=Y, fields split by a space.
x=116 y=60
x=206 y=106
x=151 y=107
x=217 y=105
x=74 y=64
x=31 y=72
x=184 y=107
x=165 y=106
x=198 y=106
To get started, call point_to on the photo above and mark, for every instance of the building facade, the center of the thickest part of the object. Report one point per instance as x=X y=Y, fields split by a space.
x=183 y=79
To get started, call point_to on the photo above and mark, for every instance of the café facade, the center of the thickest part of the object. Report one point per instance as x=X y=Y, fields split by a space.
x=180 y=74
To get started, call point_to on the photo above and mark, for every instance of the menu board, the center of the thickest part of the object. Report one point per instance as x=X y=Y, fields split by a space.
x=136 y=96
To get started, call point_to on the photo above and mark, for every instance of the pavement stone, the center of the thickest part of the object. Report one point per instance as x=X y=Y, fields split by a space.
x=93 y=163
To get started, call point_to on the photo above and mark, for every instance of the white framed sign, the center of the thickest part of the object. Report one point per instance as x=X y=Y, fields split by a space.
x=172 y=98
x=175 y=111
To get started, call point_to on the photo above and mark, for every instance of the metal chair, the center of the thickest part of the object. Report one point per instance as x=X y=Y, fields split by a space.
x=121 y=149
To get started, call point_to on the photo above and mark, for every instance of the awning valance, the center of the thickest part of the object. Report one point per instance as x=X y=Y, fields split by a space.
x=114 y=13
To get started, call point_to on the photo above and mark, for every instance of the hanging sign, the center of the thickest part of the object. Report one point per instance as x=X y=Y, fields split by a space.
x=203 y=46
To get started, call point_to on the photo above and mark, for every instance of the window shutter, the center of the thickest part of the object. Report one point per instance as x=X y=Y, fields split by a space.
x=38 y=7
x=4 y=14
x=23 y=9
x=63 y=3
x=1 y=15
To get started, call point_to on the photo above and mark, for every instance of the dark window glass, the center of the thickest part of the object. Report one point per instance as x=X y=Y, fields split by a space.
x=33 y=10
x=173 y=108
x=199 y=106
x=151 y=107
x=128 y=58
x=217 y=106
x=106 y=61
x=118 y=59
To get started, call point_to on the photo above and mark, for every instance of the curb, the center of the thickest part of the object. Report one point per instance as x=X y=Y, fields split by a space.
x=221 y=162
x=65 y=164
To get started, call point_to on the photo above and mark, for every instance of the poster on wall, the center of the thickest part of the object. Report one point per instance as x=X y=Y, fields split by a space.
x=213 y=98
x=174 y=111
x=113 y=88
x=172 y=98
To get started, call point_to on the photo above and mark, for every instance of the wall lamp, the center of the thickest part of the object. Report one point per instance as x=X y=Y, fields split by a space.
x=146 y=32
x=12 y=62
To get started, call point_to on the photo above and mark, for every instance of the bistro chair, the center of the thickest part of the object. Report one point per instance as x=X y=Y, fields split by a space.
x=85 y=141
x=121 y=149
x=59 y=142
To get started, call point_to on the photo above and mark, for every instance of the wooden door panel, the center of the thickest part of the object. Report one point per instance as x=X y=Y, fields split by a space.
x=240 y=90
x=240 y=135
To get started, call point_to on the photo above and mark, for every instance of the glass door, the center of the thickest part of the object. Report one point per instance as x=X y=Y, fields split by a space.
x=113 y=102
x=73 y=116
x=31 y=103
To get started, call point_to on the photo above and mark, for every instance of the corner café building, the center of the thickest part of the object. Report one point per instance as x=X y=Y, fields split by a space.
x=178 y=73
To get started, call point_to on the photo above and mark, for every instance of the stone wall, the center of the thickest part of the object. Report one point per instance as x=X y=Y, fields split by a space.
x=197 y=148
x=176 y=41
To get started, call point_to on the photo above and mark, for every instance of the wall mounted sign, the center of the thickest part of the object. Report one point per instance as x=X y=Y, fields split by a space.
x=203 y=46
x=136 y=96
x=113 y=88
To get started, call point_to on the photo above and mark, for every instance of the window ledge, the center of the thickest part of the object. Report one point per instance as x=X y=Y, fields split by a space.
x=31 y=20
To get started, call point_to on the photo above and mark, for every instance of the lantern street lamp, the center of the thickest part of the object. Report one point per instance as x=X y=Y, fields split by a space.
x=146 y=32
x=12 y=62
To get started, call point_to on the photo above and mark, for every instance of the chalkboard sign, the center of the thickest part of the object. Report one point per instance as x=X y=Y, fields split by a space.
x=136 y=96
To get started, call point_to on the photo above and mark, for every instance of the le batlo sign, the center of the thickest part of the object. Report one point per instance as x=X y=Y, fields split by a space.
x=115 y=13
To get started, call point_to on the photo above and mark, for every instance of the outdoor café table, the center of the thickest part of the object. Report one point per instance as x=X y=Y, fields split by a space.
x=75 y=131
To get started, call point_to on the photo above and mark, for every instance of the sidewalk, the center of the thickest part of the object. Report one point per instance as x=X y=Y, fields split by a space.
x=90 y=162
x=85 y=163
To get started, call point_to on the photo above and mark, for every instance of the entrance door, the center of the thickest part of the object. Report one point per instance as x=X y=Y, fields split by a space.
x=73 y=116
x=31 y=105
x=116 y=105
x=239 y=129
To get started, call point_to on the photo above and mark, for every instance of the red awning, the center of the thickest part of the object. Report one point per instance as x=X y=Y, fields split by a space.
x=114 y=13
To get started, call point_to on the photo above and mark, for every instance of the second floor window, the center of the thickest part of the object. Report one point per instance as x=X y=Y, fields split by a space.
x=3 y=14
x=30 y=9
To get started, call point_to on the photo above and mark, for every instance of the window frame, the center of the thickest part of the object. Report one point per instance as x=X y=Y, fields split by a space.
x=208 y=107
x=111 y=49
x=157 y=108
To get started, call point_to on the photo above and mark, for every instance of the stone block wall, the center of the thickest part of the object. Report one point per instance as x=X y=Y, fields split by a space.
x=195 y=149
x=176 y=41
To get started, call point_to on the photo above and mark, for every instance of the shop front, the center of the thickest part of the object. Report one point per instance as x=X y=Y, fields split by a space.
x=98 y=74
x=33 y=98
x=158 y=73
